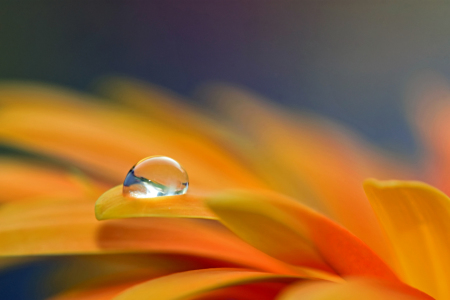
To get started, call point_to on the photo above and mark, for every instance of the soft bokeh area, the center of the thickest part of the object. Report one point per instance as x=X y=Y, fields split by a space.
x=304 y=99
x=346 y=59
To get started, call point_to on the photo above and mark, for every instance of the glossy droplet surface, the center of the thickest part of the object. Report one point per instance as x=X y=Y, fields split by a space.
x=156 y=176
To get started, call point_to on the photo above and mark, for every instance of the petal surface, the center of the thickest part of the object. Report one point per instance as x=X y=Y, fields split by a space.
x=354 y=289
x=416 y=218
x=193 y=283
x=289 y=231
x=113 y=205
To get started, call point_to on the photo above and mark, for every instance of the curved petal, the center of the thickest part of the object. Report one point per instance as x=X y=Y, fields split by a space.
x=354 y=289
x=113 y=205
x=286 y=229
x=69 y=227
x=111 y=138
x=321 y=163
x=193 y=283
x=416 y=218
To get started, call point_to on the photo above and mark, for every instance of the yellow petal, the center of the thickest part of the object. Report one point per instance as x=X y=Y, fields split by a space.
x=354 y=289
x=193 y=283
x=69 y=227
x=416 y=219
x=113 y=205
x=287 y=230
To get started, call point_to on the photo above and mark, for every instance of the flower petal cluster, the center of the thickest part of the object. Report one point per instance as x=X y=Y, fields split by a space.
x=275 y=207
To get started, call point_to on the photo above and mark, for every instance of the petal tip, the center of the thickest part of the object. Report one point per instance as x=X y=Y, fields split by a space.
x=371 y=183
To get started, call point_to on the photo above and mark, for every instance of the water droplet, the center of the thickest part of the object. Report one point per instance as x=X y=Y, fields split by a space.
x=156 y=176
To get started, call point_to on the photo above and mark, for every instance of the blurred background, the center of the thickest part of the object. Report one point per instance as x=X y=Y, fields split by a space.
x=349 y=60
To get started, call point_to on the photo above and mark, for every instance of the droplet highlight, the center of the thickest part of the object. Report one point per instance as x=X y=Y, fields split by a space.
x=155 y=176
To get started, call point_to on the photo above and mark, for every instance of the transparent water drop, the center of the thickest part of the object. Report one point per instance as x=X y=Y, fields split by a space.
x=155 y=176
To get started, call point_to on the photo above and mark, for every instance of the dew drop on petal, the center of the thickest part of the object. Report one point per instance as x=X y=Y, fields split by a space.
x=155 y=176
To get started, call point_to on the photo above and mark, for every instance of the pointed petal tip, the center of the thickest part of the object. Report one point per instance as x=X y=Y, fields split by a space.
x=415 y=217
x=371 y=183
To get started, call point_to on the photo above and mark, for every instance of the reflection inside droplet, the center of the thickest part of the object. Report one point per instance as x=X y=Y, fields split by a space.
x=155 y=176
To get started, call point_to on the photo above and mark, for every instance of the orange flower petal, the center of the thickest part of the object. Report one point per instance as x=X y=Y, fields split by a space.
x=313 y=159
x=69 y=227
x=416 y=218
x=113 y=205
x=354 y=289
x=193 y=283
x=111 y=138
x=286 y=229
